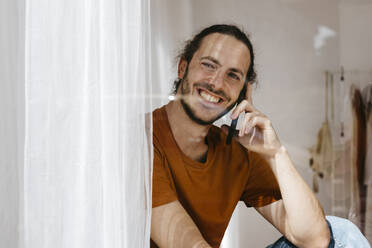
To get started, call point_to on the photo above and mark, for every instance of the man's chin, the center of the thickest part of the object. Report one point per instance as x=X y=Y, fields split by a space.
x=205 y=122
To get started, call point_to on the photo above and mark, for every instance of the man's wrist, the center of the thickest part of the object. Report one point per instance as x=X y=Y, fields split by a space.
x=280 y=154
x=281 y=151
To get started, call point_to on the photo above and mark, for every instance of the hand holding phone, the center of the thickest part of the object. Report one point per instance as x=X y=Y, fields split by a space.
x=234 y=122
x=256 y=132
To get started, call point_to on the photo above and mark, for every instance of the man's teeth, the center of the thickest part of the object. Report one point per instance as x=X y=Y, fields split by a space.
x=208 y=97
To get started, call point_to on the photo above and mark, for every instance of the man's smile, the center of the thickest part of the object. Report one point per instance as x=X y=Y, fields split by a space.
x=209 y=96
x=211 y=99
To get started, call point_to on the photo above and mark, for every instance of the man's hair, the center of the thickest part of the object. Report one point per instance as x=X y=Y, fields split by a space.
x=193 y=45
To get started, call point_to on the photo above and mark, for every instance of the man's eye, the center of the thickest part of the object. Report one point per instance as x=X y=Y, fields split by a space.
x=234 y=76
x=208 y=65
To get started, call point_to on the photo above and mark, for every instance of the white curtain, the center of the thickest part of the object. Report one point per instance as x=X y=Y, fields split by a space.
x=87 y=171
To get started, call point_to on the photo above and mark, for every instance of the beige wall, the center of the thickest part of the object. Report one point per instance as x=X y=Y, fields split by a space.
x=356 y=34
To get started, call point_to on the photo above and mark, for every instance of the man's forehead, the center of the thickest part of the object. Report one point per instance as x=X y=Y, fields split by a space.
x=225 y=48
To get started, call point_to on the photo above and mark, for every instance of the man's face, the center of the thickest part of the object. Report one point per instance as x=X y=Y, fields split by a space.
x=211 y=83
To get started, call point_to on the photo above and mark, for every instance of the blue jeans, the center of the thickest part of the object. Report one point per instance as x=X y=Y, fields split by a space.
x=344 y=234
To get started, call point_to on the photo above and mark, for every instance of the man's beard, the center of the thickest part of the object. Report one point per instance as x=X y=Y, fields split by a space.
x=185 y=90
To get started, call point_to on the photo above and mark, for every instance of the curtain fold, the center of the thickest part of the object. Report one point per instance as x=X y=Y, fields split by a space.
x=87 y=171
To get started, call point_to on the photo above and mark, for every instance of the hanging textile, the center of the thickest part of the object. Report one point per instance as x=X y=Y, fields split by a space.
x=367 y=99
x=322 y=151
x=359 y=151
x=337 y=154
x=340 y=183
x=87 y=171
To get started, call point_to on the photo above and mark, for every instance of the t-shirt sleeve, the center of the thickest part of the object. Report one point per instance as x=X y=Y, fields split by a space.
x=262 y=187
x=162 y=187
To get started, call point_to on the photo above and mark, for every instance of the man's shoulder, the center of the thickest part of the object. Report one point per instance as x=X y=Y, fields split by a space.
x=159 y=120
x=159 y=114
x=161 y=133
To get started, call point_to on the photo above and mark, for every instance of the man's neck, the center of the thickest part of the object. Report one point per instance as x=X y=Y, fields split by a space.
x=189 y=135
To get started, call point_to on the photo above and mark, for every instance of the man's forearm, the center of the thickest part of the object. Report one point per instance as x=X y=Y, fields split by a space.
x=304 y=215
x=171 y=226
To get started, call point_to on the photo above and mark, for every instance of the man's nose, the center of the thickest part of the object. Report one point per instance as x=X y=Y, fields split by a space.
x=217 y=80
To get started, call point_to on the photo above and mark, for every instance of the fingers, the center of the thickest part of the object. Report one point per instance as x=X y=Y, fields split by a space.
x=246 y=124
x=243 y=106
x=246 y=105
x=252 y=120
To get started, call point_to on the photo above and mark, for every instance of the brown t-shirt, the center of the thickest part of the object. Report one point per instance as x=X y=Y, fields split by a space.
x=209 y=191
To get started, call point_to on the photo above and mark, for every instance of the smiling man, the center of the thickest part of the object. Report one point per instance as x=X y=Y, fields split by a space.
x=214 y=78
x=198 y=179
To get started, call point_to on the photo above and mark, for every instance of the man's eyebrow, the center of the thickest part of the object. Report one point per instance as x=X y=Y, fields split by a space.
x=218 y=63
x=211 y=59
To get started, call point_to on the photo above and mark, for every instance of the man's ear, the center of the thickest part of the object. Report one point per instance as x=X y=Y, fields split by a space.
x=182 y=65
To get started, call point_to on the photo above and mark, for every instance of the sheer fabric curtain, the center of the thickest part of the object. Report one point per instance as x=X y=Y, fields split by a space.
x=88 y=157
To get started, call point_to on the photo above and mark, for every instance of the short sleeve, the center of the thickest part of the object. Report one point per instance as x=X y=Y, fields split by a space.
x=262 y=187
x=162 y=187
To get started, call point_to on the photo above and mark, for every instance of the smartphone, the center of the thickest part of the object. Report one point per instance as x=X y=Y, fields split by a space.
x=235 y=121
